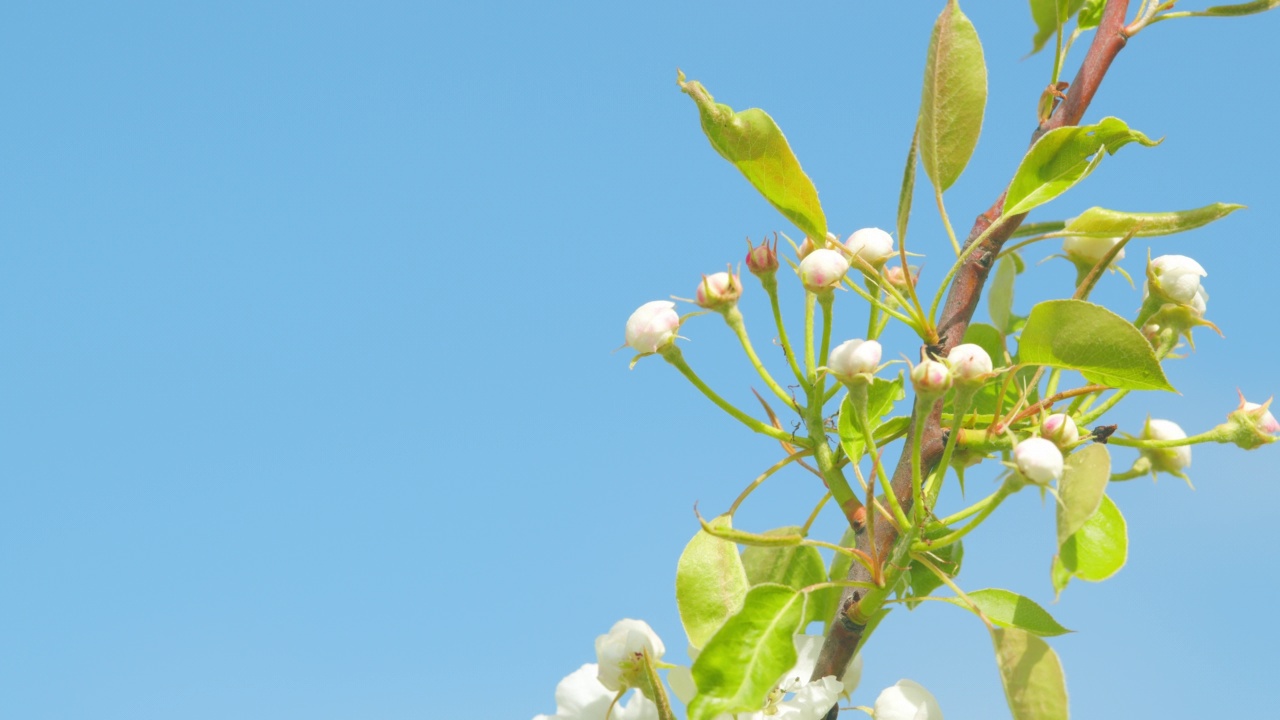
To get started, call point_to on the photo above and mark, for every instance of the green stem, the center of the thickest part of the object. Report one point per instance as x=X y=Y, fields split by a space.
x=917 y=460
x=946 y=221
x=991 y=503
x=1204 y=437
x=770 y=284
x=810 y=364
x=946 y=580
x=671 y=353
x=826 y=299
x=736 y=323
x=874 y=316
x=975 y=508
x=962 y=401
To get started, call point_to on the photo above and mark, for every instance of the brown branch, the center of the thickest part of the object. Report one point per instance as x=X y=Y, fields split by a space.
x=962 y=299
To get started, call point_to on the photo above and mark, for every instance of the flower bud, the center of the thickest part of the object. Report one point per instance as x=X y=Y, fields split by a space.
x=620 y=653
x=897 y=277
x=1250 y=425
x=1038 y=460
x=1171 y=460
x=852 y=359
x=652 y=326
x=718 y=291
x=907 y=700
x=930 y=378
x=822 y=270
x=970 y=364
x=1089 y=251
x=873 y=245
x=1266 y=421
x=1060 y=429
x=763 y=260
x=1175 y=278
x=805 y=248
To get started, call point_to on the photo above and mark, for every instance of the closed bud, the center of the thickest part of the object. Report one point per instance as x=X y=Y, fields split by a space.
x=970 y=364
x=1250 y=425
x=1171 y=460
x=718 y=291
x=822 y=270
x=1060 y=429
x=1176 y=279
x=805 y=248
x=854 y=360
x=930 y=378
x=897 y=277
x=873 y=245
x=1088 y=251
x=652 y=326
x=763 y=260
x=1038 y=460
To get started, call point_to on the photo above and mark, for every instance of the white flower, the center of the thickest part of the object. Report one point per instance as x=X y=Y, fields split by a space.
x=823 y=269
x=1060 y=429
x=1201 y=300
x=1171 y=460
x=854 y=357
x=907 y=700
x=652 y=326
x=1038 y=460
x=872 y=245
x=970 y=364
x=1175 y=278
x=930 y=378
x=580 y=696
x=1089 y=251
x=620 y=653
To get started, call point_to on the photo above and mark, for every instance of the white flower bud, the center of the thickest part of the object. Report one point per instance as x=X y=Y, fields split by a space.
x=1038 y=460
x=1090 y=251
x=907 y=700
x=1171 y=460
x=1175 y=278
x=823 y=269
x=652 y=326
x=1200 y=301
x=1266 y=421
x=1060 y=429
x=872 y=245
x=970 y=364
x=620 y=653
x=852 y=358
x=930 y=378
x=718 y=291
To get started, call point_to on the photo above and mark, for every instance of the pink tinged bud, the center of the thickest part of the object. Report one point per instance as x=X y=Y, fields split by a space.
x=970 y=364
x=1170 y=460
x=1089 y=251
x=1039 y=460
x=652 y=326
x=718 y=291
x=930 y=378
x=805 y=248
x=822 y=270
x=1265 y=420
x=763 y=260
x=1060 y=429
x=897 y=277
x=872 y=245
x=852 y=358
x=1175 y=278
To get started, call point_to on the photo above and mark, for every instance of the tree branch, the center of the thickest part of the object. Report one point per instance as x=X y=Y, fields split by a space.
x=962 y=299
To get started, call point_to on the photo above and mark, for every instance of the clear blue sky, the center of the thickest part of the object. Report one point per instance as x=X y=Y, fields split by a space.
x=308 y=407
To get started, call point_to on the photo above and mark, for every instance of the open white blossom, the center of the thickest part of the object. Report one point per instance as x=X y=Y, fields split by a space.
x=907 y=700
x=619 y=653
x=580 y=696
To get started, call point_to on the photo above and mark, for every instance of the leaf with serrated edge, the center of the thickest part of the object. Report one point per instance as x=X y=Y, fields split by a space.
x=796 y=566
x=1008 y=609
x=1102 y=223
x=1102 y=346
x=1080 y=491
x=954 y=97
x=752 y=141
x=1032 y=675
x=1100 y=548
x=744 y=660
x=710 y=583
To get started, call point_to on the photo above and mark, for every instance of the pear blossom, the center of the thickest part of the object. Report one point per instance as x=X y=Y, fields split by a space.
x=718 y=290
x=1171 y=460
x=823 y=269
x=852 y=358
x=1175 y=278
x=620 y=652
x=1266 y=421
x=580 y=696
x=907 y=700
x=873 y=245
x=1089 y=250
x=652 y=326
x=1038 y=460
x=1060 y=429
x=897 y=277
x=970 y=364
x=930 y=378
x=763 y=260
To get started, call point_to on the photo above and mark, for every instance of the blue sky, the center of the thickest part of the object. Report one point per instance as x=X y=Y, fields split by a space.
x=308 y=407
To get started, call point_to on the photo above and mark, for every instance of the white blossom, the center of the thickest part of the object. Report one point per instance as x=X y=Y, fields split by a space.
x=970 y=364
x=580 y=696
x=1038 y=460
x=854 y=357
x=823 y=269
x=1175 y=278
x=873 y=245
x=652 y=326
x=1171 y=460
x=907 y=700
x=1089 y=250
x=620 y=651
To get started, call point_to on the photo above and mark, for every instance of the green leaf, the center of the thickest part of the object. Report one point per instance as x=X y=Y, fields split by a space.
x=1091 y=14
x=921 y=582
x=1032 y=675
x=1000 y=301
x=1008 y=609
x=1063 y=157
x=1049 y=16
x=1083 y=485
x=744 y=660
x=1103 y=223
x=1098 y=549
x=1040 y=228
x=1249 y=8
x=796 y=566
x=954 y=97
x=1103 y=346
x=752 y=141
x=880 y=399
x=908 y=186
x=710 y=583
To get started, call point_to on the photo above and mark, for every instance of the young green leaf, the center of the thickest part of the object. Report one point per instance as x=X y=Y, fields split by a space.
x=880 y=399
x=1049 y=16
x=908 y=186
x=752 y=141
x=1249 y=8
x=1103 y=346
x=1084 y=483
x=710 y=583
x=1040 y=228
x=744 y=660
x=1097 y=550
x=1000 y=301
x=1091 y=14
x=1008 y=609
x=1103 y=223
x=1032 y=675
x=1063 y=157
x=954 y=97
x=796 y=566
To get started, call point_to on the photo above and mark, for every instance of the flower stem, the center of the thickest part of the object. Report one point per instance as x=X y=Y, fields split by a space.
x=671 y=353
x=736 y=323
x=771 y=287
x=989 y=506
